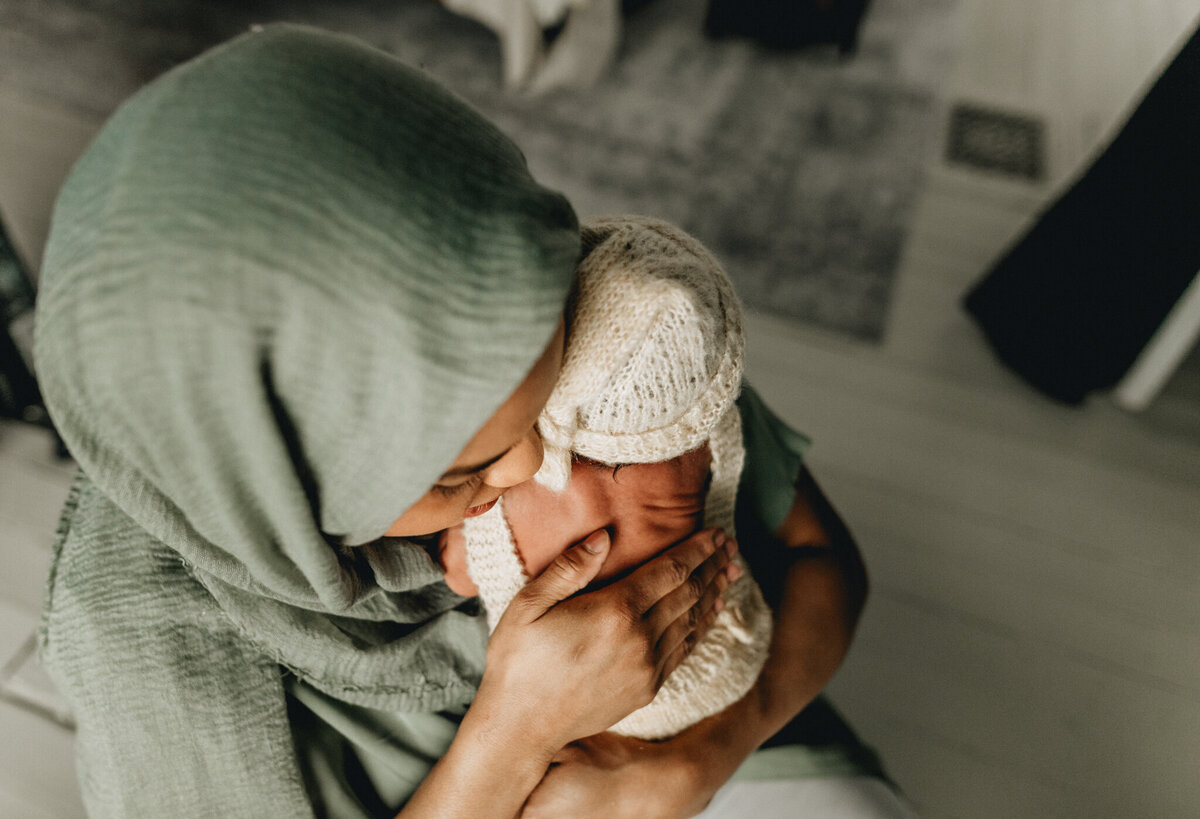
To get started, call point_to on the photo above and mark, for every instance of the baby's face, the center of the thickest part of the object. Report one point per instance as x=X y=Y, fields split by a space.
x=645 y=507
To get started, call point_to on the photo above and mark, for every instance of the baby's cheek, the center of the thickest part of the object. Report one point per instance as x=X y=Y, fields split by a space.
x=640 y=536
x=544 y=523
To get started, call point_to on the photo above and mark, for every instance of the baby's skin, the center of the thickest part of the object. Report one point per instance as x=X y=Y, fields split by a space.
x=645 y=508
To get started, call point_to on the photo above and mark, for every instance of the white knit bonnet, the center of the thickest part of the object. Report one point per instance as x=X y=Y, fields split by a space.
x=652 y=370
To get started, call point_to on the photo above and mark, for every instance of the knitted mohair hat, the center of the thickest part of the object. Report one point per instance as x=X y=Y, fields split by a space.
x=652 y=370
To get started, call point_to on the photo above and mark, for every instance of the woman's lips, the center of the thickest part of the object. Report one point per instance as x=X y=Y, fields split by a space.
x=475 y=511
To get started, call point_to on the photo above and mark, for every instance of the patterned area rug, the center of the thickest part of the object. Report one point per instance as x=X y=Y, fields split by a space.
x=800 y=170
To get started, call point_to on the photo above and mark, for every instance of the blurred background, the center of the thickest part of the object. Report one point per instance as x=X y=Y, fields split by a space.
x=1031 y=647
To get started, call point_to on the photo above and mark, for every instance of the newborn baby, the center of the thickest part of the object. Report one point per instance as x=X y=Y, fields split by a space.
x=643 y=438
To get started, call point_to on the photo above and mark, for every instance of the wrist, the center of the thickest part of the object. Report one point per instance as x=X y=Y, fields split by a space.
x=489 y=770
x=717 y=746
x=502 y=727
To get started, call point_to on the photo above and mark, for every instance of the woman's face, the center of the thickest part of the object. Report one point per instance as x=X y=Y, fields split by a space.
x=506 y=451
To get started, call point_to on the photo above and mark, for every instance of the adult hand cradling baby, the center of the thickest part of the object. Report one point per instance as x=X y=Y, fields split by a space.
x=614 y=668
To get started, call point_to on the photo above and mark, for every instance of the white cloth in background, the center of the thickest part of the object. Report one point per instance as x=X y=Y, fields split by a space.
x=582 y=52
x=843 y=797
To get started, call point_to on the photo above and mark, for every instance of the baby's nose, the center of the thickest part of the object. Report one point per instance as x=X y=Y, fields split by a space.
x=519 y=464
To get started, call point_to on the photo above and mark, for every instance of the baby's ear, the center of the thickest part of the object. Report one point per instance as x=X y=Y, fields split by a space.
x=452 y=555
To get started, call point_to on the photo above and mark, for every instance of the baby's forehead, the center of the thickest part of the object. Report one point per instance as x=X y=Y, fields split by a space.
x=688 y=471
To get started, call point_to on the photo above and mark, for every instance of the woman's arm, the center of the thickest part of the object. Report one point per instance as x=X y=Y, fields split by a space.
x=823 y=592
x=610 y=650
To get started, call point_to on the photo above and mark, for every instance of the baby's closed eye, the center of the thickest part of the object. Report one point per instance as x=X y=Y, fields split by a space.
x=680 y=481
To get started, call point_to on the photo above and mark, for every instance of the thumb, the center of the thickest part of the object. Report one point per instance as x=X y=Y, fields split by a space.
x=570 y=572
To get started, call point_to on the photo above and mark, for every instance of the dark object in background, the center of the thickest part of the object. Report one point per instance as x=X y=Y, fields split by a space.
x=19 y=394
x=1075 y=301
x=1004 y=142
x=788 y=23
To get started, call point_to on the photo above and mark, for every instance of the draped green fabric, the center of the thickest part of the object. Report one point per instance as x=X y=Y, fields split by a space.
x=284 y=286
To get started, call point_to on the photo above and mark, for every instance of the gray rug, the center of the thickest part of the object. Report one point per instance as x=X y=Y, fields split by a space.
x=800 y=170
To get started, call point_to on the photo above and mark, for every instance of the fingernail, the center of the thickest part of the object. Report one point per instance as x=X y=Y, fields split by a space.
x=719 y=538
x=596 y=542
x=731 y=547
x=734 y=570
x=719 y=606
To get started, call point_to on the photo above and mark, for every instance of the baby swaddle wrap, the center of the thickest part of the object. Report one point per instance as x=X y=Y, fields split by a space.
x=652 y=370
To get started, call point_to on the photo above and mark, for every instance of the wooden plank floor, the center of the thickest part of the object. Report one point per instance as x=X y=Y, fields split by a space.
x=1031 y=646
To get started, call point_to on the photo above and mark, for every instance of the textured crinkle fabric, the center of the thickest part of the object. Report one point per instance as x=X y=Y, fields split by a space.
x=284 y=286
x=655 y=355
x=652 y=370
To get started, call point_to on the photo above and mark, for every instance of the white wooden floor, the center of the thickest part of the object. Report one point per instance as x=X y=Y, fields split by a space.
x=1031 y=648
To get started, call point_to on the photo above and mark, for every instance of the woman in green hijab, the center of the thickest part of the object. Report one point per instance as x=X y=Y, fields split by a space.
x=290 y=287
x=300 y=308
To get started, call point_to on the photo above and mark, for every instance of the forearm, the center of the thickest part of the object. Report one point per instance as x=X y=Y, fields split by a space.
x=814 y=625
x=823 y=595
x=488 y=772
x=823 y=592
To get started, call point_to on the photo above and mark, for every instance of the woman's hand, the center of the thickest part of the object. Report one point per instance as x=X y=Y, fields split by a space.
x=562 y=665
x=570 y=666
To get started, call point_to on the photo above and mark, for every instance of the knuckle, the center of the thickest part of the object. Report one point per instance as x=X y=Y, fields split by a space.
x=568 y=562
x=609 y=623
x=615 y=622
x=677 y=570
x=645 y=646
x=627 y=611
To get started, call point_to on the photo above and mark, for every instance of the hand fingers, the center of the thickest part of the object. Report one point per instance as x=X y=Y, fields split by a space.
x=568 y=574
x=696 y=595
x=670 y=661
x=689 y=627
x=673 y=568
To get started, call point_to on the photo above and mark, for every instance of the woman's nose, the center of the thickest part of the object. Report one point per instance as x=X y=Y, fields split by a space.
x=519 y=464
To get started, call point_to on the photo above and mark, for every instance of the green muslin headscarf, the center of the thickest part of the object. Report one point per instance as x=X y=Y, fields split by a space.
x=284 y=286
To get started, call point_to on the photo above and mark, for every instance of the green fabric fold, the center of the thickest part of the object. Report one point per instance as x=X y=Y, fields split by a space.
x=284 y=286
